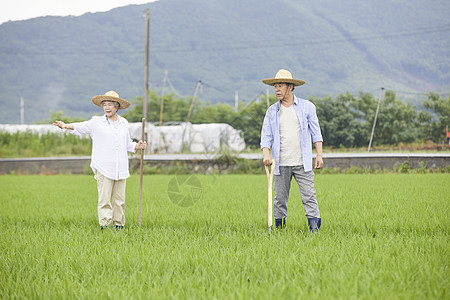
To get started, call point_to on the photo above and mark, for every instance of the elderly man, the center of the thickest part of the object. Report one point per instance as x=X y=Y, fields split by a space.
x=289 y=129
x=111 y=143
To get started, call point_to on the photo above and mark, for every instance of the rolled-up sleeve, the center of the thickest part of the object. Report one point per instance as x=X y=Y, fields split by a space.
x=314 y=127
x=131 y=146
x=82 y=128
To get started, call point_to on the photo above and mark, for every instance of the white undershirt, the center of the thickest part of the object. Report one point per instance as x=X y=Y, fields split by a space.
x=115 y=123
x=290 y=149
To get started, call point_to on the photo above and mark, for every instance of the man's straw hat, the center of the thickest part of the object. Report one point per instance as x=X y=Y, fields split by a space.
x=283 y=76
x=111 y=96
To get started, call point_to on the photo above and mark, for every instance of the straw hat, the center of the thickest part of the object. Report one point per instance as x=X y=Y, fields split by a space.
x=283 y=76
x=110 y=96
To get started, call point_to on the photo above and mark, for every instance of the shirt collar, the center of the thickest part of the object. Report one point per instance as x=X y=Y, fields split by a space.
x=296 y=102
x=105 y=119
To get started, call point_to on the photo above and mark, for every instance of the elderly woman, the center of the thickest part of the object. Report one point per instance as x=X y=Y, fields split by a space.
x=109 y=160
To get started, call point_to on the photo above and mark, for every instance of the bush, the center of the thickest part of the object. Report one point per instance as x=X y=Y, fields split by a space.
x=404 y=167
x=29 y=144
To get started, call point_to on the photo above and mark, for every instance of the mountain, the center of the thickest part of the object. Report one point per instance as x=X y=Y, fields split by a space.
x=60 y=63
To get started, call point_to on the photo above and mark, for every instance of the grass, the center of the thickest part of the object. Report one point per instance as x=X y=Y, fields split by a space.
x=383 y=236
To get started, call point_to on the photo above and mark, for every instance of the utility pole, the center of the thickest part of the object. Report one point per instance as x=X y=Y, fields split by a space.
x=22 y=111
x=147 y=38
x=162 y=109
x=236 y=100
x=375 y=119
x=267 y=98
x=197 y=87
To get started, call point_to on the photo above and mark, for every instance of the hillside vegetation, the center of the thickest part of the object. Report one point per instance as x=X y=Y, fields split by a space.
x=59 y=63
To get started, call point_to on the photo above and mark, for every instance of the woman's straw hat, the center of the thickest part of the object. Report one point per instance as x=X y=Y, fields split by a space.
x=111 y=96
x=283 y=76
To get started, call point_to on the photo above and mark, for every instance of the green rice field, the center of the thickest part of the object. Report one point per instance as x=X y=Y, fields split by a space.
x=383 y=236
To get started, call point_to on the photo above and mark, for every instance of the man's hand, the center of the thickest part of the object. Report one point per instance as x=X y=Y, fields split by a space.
x=267 y=158
x=141 y=145
x=319 y=161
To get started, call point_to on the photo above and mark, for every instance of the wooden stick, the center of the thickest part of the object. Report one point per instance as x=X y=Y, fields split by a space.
x=269 y=194
x=142 y=173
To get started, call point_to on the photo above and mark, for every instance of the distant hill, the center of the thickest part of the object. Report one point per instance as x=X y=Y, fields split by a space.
x=59 y=63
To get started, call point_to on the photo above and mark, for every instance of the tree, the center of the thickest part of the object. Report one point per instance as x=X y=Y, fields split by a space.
x=250 y=120
x=345 y=121
x=338 y=123
x=397 y=122
x=175 y=110
x=59 y=116
x=219 y=113
x=433 y=125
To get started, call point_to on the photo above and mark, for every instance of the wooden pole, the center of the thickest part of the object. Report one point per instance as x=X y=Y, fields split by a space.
x=142 y=173
x=375 y=119
x=190 y=112
x=193 y=100
x=269 y=195
x=147 y=50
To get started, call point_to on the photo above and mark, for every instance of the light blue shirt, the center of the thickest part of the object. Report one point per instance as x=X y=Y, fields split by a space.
x=309 y=131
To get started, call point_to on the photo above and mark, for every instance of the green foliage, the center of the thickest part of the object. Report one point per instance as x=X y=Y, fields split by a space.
x=396 y=123
x=404 y=167
x=54 y=116
x=175 y=109
x=352 y=46
x=382 y=237
x=346 y=122
x=443 y=169
x=28 y=144
x=423 y=168
x=249 y=119
x=339 y=124
x=434 y=125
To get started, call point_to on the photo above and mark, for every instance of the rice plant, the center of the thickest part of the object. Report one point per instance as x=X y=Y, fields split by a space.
x=383 y=236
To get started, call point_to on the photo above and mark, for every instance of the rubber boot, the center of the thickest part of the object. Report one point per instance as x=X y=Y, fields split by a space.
x=280 y=223
x=314 y=224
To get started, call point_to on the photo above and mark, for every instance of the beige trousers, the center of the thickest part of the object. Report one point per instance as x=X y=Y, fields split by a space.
x=110 y=190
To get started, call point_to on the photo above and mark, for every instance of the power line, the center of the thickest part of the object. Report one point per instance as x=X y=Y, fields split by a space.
x=213 y=87
x=173 y=89
x=324 y=40
x=70 y=35
x=417 y=93
x=371 y=36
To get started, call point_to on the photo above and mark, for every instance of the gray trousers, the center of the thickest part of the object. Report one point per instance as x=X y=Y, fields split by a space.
x=305 y=181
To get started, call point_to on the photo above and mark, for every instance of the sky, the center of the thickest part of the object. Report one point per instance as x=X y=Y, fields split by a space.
x=15 y=10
